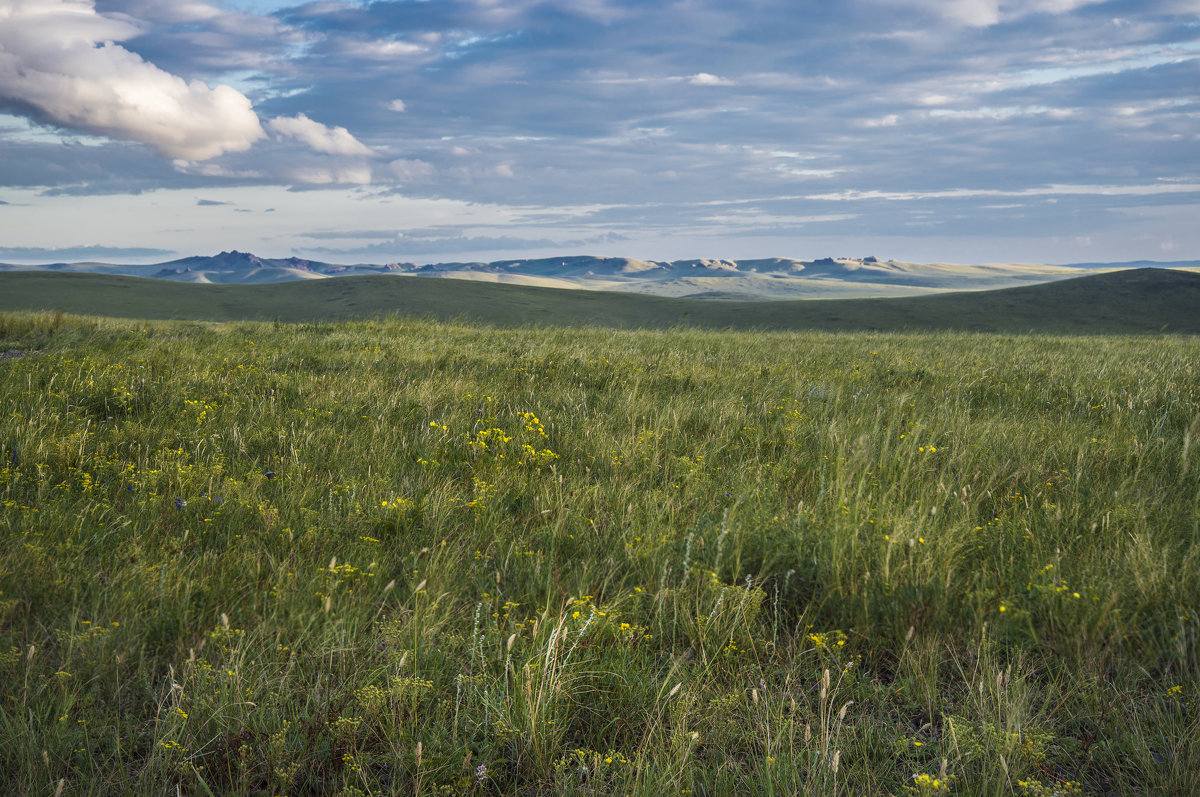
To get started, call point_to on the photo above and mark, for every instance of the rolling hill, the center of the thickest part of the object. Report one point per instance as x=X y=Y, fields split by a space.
x=1131 y=301
x=766 y=278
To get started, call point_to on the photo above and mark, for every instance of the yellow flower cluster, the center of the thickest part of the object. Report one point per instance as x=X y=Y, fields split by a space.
x=928 y=784
x=827 y=639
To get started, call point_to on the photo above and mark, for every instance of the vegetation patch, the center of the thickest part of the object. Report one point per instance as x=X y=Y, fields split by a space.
x=400 y=556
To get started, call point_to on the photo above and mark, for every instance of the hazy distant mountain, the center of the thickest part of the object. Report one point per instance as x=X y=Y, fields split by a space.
x=1187 y=265
x=766 y=278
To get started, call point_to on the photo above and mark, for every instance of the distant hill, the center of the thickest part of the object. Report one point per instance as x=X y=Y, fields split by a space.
x=764 y=278
x=1132 y=301
x=1175 y=264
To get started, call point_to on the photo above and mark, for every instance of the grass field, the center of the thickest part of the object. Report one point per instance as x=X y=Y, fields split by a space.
x=400 y=556
x=1134 y=301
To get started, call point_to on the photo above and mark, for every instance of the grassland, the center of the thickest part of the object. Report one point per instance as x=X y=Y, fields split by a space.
x=399 y=556
x=1135 y=301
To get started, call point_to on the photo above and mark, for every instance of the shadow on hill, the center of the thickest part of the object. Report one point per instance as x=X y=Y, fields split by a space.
x=1132 y=301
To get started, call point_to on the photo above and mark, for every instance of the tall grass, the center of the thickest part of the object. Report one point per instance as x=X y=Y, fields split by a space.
x=400 y=557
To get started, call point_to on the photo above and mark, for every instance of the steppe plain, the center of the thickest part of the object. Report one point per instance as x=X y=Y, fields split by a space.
x=412 y=554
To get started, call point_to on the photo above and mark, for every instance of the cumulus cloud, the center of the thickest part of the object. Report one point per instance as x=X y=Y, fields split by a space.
x=705 y=79
x=59 y=61
x=397 y=105
x=330 y=140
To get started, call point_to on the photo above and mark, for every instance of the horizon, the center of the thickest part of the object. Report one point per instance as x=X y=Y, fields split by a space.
x=148 y=262
x=966 y=132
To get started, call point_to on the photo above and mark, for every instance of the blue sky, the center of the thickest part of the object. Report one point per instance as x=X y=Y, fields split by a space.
x=964 y=131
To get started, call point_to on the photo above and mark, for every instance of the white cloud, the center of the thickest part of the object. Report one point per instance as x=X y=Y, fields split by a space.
x=330 y=140
x=411 y=171
x=890 y=120
x=215 y=170
x=397 y=105
x=383 y=50
x=705 y=79
x=1051 y=191
x=354 y=175
x=983 y=13
x=176 y=11
x=975 y=13
x=59 y=57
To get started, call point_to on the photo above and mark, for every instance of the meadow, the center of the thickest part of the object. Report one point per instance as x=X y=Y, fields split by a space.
x=416 y=557
x=1134 y=301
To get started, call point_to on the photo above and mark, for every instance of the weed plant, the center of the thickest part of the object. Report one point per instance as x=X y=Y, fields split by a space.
x=401 y=557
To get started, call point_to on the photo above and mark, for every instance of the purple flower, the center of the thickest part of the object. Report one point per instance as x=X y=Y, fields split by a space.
x=481 y=773
x=180 y=503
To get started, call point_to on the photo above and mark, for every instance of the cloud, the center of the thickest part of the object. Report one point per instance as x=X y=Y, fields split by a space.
x=59 y=62
x=330 y=140
x=337 y=235
x=383 y=50
x=1155 y=189
x=397 y=105
x=405 y=246
x=985 y=13
x=887 y=120
x=411 y=170
x=76 y=253
x=214 y=170
x=324 y=175
x=705 y=79
x=205 y=203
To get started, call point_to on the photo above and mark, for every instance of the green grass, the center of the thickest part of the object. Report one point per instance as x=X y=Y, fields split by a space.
x=1134 y=301
x=399 y=556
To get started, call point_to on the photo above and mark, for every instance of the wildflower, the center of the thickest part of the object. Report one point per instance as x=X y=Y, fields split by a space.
x=180 y=503
x=481 y=773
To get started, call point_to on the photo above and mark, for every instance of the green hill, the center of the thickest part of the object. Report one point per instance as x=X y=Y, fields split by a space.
x=1136 y=300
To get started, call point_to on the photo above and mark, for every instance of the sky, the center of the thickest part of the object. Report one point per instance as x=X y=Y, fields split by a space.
x=965 y=131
